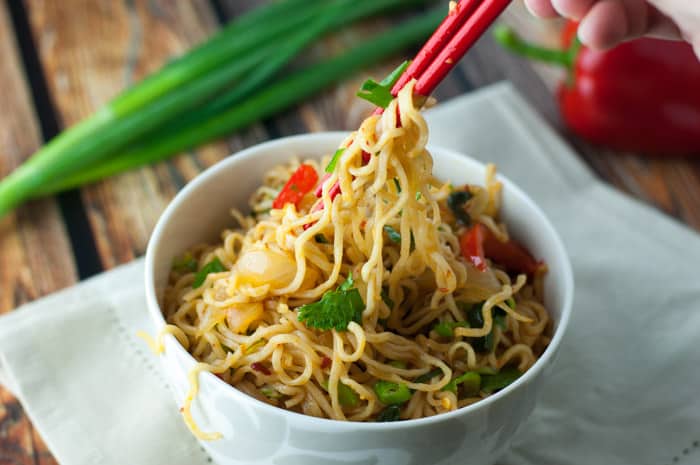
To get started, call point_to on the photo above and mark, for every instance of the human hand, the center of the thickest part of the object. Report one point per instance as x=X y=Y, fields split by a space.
x=605 y=23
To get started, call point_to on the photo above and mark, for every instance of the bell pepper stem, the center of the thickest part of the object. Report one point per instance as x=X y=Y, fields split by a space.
x=509 y=40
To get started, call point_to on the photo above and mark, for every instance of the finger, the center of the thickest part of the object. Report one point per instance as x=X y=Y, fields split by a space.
x=661 y=27
x=573 y=9
x=541 y=8
x=604 y=26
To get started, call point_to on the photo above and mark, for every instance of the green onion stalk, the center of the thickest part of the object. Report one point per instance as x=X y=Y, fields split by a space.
x=265 y=103
x=229 y=67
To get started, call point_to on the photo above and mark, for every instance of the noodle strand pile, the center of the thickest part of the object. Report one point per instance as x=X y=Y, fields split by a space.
x=430 y=321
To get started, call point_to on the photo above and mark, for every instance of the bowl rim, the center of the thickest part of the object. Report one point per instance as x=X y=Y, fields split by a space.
x=202 y=178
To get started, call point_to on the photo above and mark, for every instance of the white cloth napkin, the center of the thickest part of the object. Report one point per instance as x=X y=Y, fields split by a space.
x=625 y=389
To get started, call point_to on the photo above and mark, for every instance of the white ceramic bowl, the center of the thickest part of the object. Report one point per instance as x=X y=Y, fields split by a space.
x=257 y=432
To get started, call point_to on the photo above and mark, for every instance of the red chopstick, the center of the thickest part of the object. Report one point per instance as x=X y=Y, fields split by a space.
x=458 y=32
x=474 y=27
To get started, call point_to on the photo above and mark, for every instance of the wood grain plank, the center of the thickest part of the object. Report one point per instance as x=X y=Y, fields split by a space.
x=90 y=51
x=35 y=254
x=337 y=108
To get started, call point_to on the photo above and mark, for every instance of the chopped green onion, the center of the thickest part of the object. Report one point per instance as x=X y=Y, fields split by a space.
x=500 y=380
x=270 y=392
x=321 y=239
x=398 y=186
x=457 y=201
x=185 y=263
x=470 y=383
x=390 y=393
x=255 y=346
x=391 y=413
x=155 y=119
x=394 y=236
x=424 y=378
x=214 y=266
x=346 y=396
x=511 y=302
x=446 y=328
x=486 y=371
x=334 y=161
x=499 y=318
x=418 y=195
x=379 y=93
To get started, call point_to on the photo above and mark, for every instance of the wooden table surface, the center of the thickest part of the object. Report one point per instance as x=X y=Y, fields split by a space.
x=60 y=61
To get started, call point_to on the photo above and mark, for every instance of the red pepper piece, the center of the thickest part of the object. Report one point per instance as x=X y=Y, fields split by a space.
x=641 y=96
x=472 y=245
x=300 y=183
x=479 y=242
x=326 y=363
x=260 y=367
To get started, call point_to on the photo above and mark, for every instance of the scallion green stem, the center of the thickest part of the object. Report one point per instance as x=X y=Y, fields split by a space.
x=508 y=39
x=263 y=104
x=120 y=123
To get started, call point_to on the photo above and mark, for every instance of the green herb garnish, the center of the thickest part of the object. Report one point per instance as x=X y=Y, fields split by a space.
x=255 y=346
x=424 y=378
x=470 y=383
x=270 y=392
x=335 y=310
x=503 y=378
x=321 y=239
x=390 y=393
x=392 y=233
x=346 y=396
x=185 y=263
x=334 y=160
x=214 y=266
x=457 y=201
x=398 y=186
x=379 y=93
x=446 y=328
x=391 y=413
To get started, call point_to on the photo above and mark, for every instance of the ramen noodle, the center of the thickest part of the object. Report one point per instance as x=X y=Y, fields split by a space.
x=387 y=295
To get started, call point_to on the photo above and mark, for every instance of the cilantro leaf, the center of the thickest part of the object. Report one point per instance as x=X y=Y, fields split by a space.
x=214 y=266
x=500 y=380
x=457 y=201
x=391 y=413
x=334 y=161
x=335 y=310
x=379 y=93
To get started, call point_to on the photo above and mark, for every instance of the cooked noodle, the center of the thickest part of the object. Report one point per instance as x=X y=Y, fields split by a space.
x=242 y=324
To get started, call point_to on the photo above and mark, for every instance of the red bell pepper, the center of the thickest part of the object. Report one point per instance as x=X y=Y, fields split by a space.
x=472 y=245
x=641 y=96
x=302 y=181
x=478 y=242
